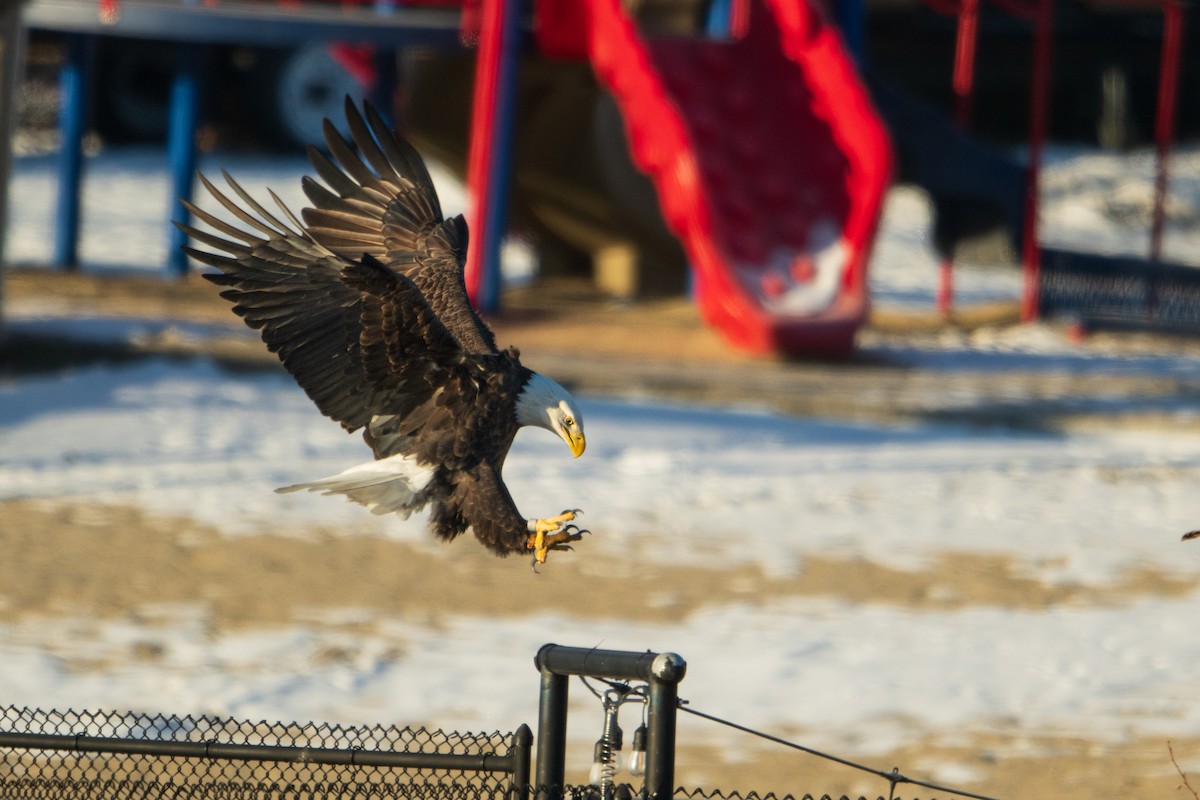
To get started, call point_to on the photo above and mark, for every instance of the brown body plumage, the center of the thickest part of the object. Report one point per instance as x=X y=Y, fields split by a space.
x=364 y=303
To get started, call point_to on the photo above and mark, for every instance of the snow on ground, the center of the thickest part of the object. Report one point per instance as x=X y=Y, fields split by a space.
x=688 y=485
x=1092 y=201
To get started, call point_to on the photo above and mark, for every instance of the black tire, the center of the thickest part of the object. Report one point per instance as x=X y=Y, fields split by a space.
x=296 y=89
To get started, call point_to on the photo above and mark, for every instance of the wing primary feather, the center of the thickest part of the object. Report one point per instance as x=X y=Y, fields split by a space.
x=400 y=153
x=209 y=239
x=220 y=224
x=297 y=226
x=266 y=216
x=236 y=210
x=368 y=146
x=351 y=163
x=339 y=181
x=222 y=263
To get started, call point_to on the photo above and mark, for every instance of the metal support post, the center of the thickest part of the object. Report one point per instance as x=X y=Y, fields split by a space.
x=552 y=734
x=12 y=45
x=73 y=105
x=520 y=751
x=181 y=146
x=660 y=738
x=489 y=160
x=1164 y=122
x=1031 y=254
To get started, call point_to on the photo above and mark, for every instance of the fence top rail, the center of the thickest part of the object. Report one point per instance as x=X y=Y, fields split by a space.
x=663 y=668
x=477 y=762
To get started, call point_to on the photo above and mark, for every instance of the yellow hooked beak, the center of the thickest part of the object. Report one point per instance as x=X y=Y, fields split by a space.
x=575 y=441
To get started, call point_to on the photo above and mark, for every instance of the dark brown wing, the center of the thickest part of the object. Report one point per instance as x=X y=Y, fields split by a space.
x=381 y=201
x=315 y=311
x=289 y=288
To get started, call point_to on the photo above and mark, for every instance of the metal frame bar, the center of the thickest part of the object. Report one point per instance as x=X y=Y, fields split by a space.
x=1164 y=122
x=281 y=753
x=662 y=671
x=192 y=26
x=489 y=160
x=12 y=58
x=240 y=22
x=74 y=90
x=1039 y=102
x=516 y=763
x=186 y=90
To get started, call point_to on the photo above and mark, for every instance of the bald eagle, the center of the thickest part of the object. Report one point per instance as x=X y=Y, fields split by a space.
x=364 y=303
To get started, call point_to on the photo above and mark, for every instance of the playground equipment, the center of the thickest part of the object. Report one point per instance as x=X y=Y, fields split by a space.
x=774 y=194
x=1091 y=288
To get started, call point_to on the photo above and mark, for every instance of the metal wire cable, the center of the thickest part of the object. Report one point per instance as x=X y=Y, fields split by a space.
x=893 y=778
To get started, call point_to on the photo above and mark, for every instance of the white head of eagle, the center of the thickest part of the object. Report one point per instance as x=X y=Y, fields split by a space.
x=545 y=404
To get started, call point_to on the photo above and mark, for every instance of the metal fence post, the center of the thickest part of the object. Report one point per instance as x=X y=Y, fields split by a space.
x=522 y=746
x=73 y=105
x=667 y=670
x=662 y=671
x=552 y=734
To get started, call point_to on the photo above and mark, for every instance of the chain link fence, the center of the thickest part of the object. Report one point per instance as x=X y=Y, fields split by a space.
x=46 y=755
x=702 y=794
x=629 y=792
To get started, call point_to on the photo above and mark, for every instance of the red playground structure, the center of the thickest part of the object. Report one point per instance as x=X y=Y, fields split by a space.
x=769 y=162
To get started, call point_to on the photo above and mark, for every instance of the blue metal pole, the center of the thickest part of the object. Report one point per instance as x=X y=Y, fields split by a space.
x=719 y=21
x=73 y=103
x=181 y=146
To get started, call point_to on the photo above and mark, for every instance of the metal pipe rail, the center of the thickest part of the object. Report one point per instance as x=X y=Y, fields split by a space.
x=239 y=22
x=662 y=672
x=515 y=763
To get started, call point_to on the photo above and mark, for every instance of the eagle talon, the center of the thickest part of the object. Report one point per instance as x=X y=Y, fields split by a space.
x=551 y=534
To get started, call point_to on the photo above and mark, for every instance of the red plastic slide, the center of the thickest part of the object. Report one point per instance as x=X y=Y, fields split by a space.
x=769 y=161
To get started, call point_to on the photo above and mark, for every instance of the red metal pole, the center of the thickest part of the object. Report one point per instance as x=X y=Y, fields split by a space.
x=964 y=61
x=492 y=113
x=1164 y=123
x=1031 y=255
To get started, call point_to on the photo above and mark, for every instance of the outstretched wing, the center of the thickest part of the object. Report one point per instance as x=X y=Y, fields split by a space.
x=315 y=311
x=383 y=203
x=289 y=288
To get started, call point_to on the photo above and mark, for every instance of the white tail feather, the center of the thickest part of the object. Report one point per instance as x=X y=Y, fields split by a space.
x=389 y=485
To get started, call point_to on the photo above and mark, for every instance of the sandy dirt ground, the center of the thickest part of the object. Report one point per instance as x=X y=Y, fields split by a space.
x=62 y=558
x=120 y=563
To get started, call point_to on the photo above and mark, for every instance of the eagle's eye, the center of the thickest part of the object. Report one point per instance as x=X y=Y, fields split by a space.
x=569 y=422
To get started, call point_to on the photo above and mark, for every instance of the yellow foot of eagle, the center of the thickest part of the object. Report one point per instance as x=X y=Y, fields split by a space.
x=552 y=533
